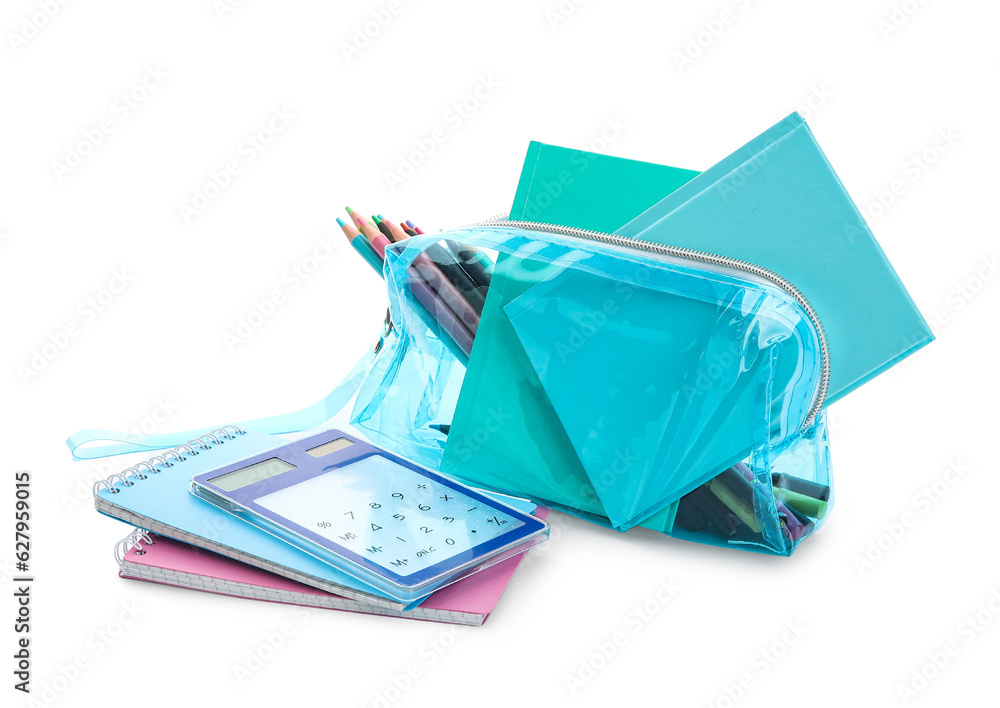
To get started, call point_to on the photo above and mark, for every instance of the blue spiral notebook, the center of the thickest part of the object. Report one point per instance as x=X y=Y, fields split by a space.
x=162 y=503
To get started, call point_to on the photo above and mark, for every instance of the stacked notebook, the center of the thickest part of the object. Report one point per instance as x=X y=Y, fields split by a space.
x=160 y=559
x=193 y=544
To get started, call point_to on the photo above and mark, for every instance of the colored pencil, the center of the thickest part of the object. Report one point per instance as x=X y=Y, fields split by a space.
x=449 y=267
x=445 y=307
x=449 y=329
x=793 y=525
x=475 y=263
x=443 y=254
x=375 y=238
x=447 y=291
x=355 y=217
x=735 y=492
x=361 y=245
x=384 y=229
x=396 y=233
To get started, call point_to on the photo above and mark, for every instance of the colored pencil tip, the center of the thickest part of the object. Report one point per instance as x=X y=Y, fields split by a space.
x=409 y=223
x=340 y=223
x=381 y=217
x=362 y=219
x=349 y=210
x=376 y=219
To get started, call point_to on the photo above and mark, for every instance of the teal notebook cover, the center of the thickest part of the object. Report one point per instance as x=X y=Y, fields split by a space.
x=164 y=499
x=776 y=202
x=526 y=450
x=531 y=453
x=589 y=191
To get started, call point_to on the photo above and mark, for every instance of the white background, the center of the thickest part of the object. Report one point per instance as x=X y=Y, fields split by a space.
x=882 y=86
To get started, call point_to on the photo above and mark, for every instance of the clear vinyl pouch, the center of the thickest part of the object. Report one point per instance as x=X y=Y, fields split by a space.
x=627 y=383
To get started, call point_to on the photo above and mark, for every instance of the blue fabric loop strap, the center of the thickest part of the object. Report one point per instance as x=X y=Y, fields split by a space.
x=98 y=442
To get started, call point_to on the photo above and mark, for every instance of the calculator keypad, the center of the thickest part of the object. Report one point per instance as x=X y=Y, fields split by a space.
x=390 y=515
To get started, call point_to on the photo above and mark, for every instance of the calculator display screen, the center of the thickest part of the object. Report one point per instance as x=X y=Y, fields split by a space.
x=393 y=517
x=332 y=446
x=237 y=479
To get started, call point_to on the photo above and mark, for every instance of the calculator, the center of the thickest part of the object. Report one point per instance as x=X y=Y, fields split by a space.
x=394 y=525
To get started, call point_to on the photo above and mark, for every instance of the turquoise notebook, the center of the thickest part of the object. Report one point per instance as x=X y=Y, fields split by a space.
x=776 y=202
x=587 y=190
x=531 y=452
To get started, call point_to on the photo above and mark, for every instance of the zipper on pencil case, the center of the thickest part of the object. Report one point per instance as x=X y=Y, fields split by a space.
x=700 y=257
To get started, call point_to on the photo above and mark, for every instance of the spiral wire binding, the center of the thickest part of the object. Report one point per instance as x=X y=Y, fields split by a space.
x=138 y=539
x=158 y=463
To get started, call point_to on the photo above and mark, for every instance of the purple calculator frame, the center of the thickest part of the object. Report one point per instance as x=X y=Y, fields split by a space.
x=243 y=500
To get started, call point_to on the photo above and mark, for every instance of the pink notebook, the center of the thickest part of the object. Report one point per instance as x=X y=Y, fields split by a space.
x=164 y=560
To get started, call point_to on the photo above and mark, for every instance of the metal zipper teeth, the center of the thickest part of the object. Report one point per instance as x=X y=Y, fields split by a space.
x=703 y=257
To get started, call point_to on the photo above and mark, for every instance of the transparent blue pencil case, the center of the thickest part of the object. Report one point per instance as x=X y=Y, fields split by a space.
x=628 y=383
